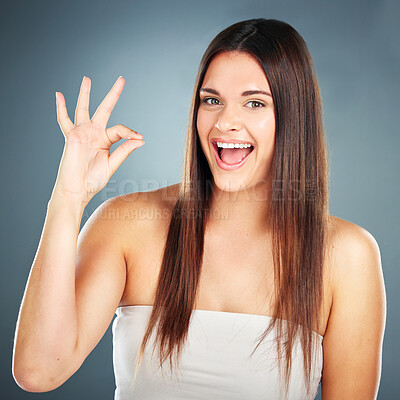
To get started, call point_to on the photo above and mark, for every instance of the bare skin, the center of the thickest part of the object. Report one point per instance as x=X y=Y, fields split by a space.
x=354 y=306
x=48 y=323
x=116 y=259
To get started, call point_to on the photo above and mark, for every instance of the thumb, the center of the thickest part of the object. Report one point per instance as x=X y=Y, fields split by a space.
x=120 y=154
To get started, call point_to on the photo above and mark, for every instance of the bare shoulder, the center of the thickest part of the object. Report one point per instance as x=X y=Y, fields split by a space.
x=355 y=265
x=354 y=335
x=138 y=215
x=143 y=205
x=140 y=204
x=353 y=250
x=346 y=235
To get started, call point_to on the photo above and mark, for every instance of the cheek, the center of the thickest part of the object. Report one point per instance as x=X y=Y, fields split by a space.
x=264 y=133
x=204 y=123
x=266 y=125
x=203 y=130
x=263 y=130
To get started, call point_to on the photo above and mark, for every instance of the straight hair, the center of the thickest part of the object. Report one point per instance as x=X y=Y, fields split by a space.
x=298 y=208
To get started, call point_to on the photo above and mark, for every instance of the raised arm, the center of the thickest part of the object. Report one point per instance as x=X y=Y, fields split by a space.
x=353 y=339
x=74 y=286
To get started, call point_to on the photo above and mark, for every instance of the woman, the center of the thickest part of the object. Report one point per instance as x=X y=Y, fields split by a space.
x=242 y=249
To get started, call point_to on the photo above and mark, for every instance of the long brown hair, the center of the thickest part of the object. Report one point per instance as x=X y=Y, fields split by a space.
x=298 y=206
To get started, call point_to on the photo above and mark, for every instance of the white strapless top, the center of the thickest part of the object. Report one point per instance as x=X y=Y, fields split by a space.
x=215 y=363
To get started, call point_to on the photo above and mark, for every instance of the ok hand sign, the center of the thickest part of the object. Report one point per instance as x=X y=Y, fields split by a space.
x=86 y=165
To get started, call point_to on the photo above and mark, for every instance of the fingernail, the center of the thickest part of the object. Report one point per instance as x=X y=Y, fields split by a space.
x=56 y=95
x=137 y=133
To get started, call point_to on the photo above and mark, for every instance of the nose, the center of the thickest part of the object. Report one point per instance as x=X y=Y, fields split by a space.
x=228 y=120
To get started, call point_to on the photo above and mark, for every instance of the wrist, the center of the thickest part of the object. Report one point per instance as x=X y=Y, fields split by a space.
x=69 y=199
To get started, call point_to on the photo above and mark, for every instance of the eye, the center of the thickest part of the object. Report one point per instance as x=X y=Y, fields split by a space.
x=213 y=101
x=256 y=104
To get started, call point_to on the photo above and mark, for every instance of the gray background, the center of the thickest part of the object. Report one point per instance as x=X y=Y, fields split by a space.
x=48 y=46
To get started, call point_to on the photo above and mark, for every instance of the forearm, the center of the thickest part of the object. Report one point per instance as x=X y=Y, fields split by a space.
x=46 y=332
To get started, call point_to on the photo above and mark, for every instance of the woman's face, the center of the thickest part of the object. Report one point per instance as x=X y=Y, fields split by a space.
x=236 y=109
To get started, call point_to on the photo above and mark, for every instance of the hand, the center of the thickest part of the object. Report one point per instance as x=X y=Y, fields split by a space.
x=86 y=165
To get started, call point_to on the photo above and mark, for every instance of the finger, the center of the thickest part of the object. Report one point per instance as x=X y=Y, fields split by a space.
x=82 y=106
x=103 y=112
x=120 y=154
x=119 y=132
x=62 y=115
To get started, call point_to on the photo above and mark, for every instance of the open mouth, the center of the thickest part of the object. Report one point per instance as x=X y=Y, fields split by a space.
x=231 y=155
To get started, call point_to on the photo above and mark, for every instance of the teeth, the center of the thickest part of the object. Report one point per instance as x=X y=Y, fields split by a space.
x=233 y=145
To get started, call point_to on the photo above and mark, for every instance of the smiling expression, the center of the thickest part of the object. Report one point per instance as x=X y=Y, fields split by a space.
x=236 y=106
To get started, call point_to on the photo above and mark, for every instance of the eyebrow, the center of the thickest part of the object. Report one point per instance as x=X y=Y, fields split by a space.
x=246 y=93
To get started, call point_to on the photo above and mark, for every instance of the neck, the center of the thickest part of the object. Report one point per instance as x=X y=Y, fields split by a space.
x=244 y=211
